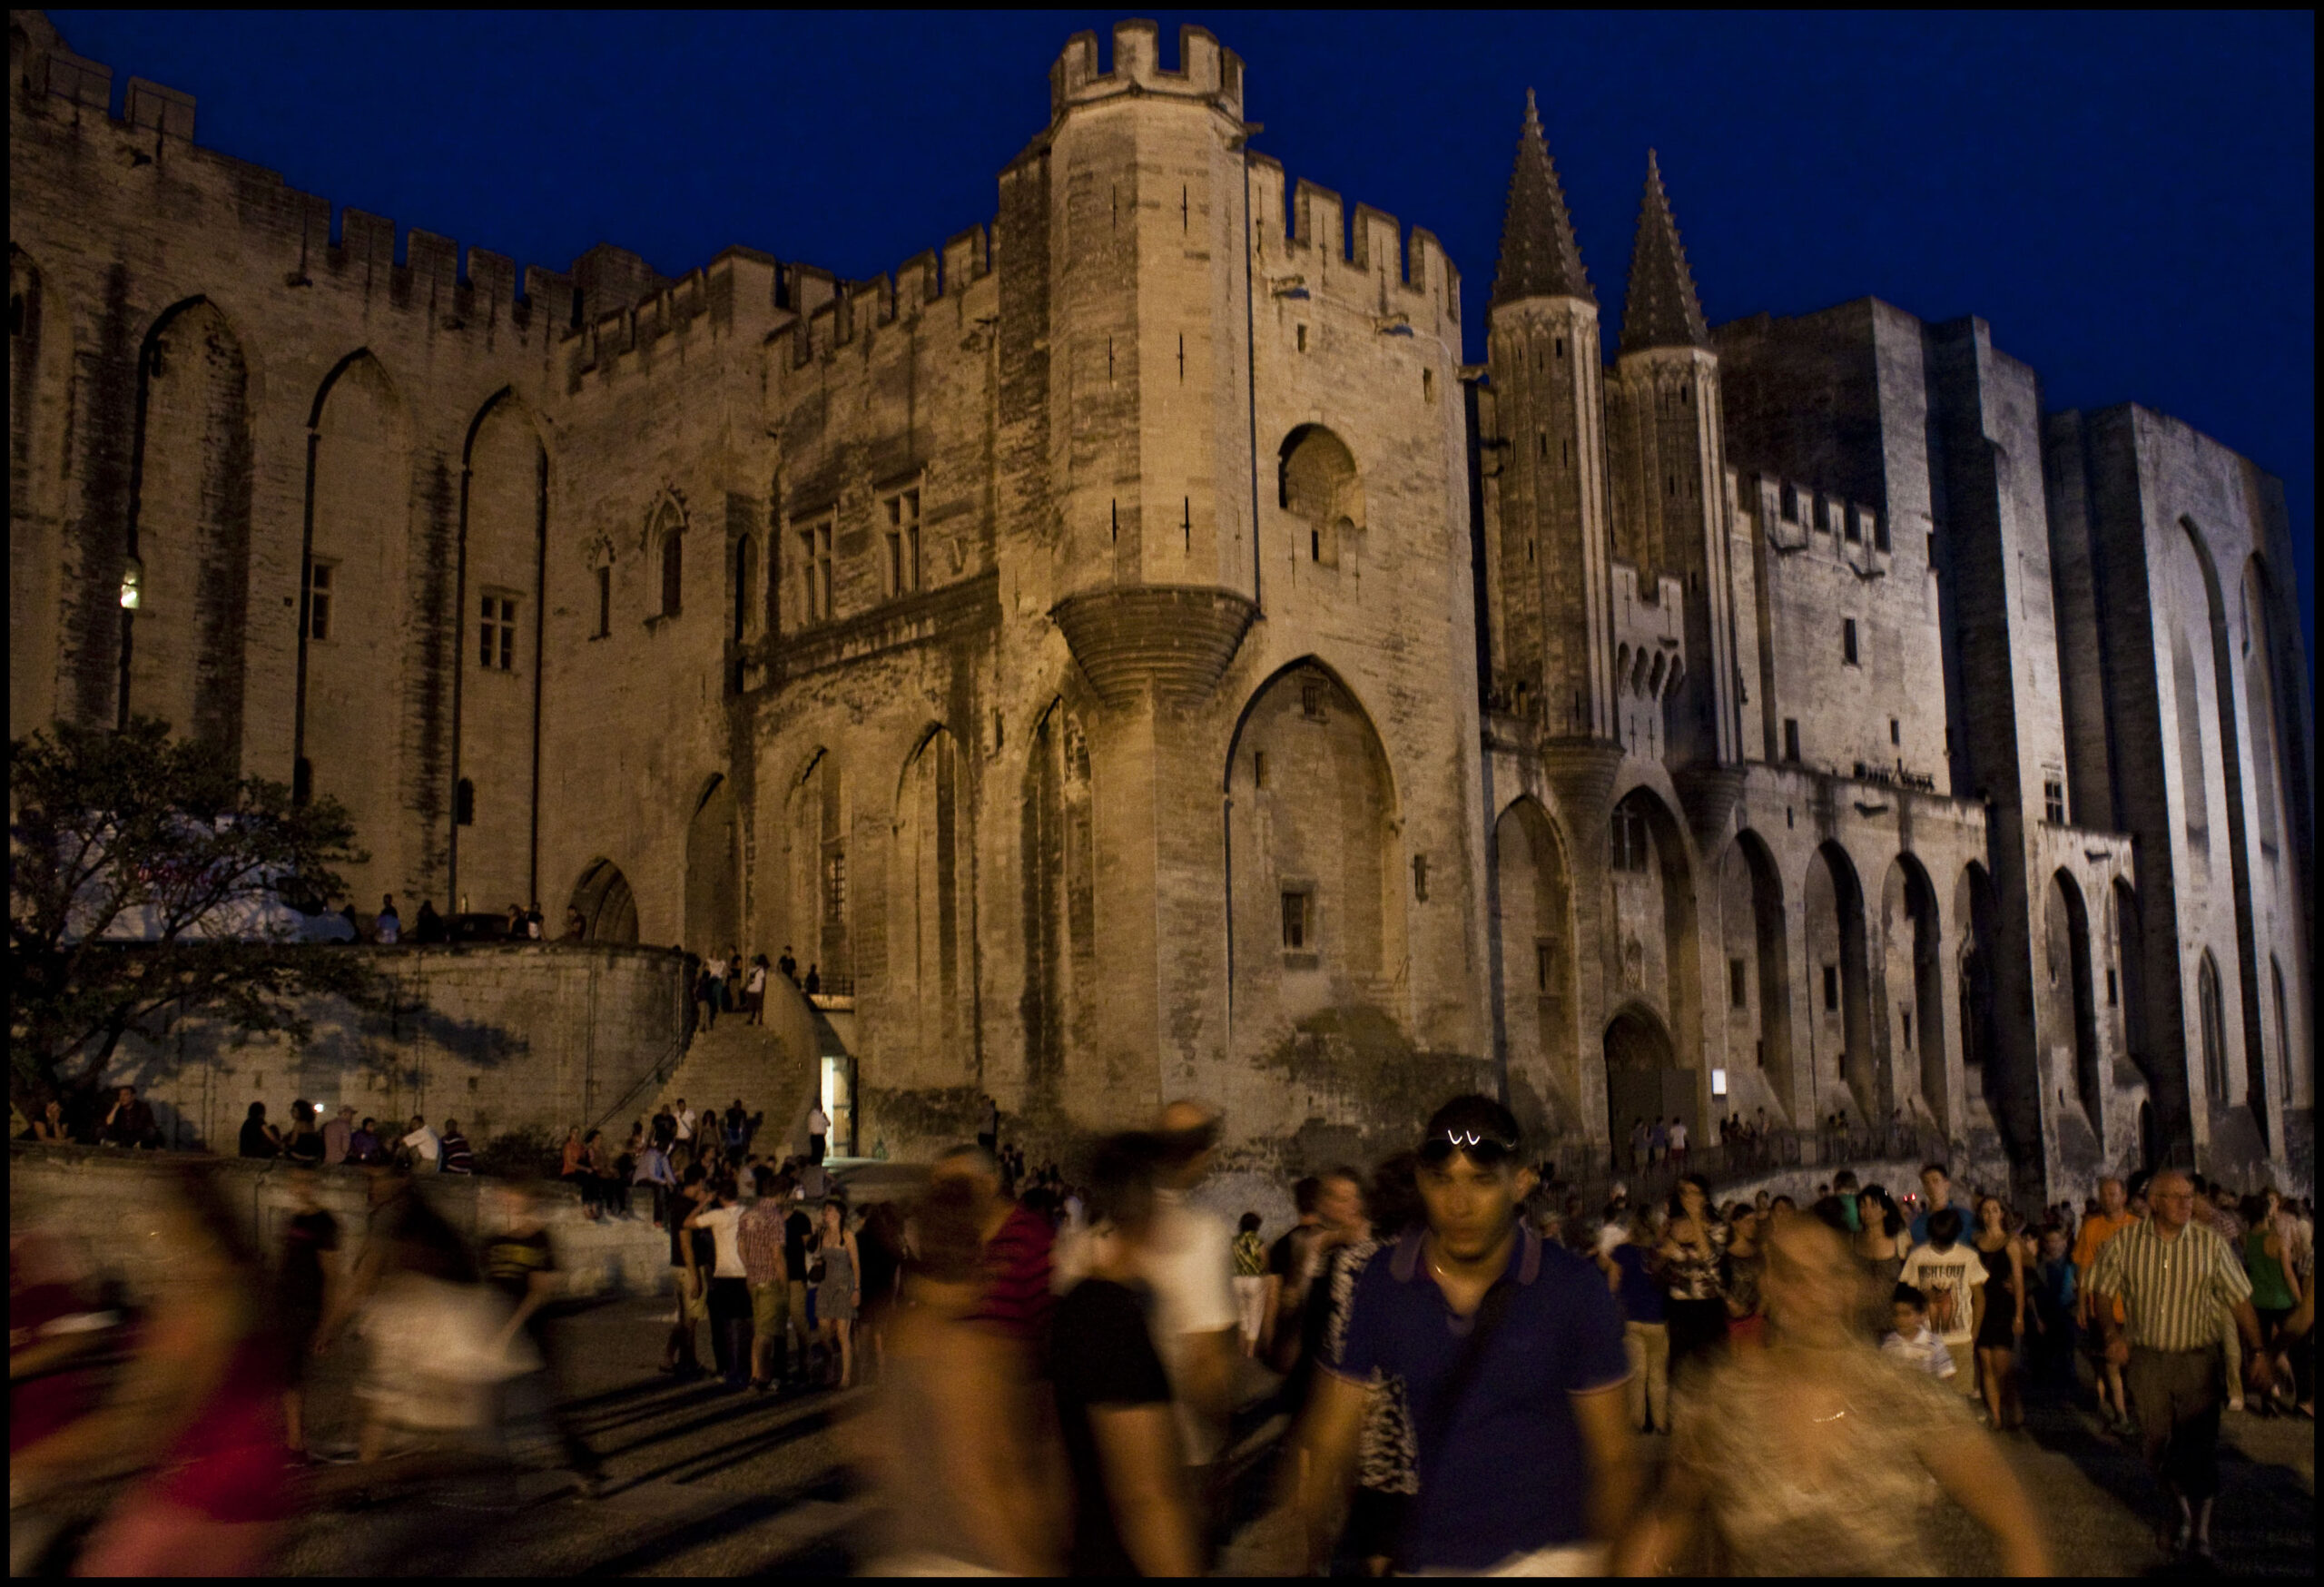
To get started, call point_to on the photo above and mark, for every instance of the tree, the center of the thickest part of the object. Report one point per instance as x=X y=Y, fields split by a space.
x=159 y=842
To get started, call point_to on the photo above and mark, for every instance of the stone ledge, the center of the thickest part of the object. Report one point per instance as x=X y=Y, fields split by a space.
x=1175 y=639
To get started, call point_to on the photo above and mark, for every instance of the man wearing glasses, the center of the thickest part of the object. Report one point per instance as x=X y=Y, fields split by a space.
x=1510 y=1352
x=2173 y=1277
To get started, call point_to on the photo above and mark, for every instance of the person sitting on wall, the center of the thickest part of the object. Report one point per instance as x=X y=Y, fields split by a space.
x=387 y=926
x=430 y=926
x=130 y=1122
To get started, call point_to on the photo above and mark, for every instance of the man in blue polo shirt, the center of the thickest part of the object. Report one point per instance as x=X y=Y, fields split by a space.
x=1508 y=1354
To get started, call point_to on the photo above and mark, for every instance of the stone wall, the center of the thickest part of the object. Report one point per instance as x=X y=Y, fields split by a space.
x=90 y=1196
x=502 y=1037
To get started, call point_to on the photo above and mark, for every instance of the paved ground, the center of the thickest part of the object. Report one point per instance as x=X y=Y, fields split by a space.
x=701 y=1482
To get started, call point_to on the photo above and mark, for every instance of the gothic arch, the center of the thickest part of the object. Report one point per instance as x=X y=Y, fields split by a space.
x=2130 y=969
x=2210 y=1022
x=1318 y=483
x=819 y=820
x=1533 y=926
x=1838 y=960
x=2247 y=949
x=354 y=601
x=714 y=868
x=183 y=634
x=1652 y=952
x=1753 y=927
x=1913 y=981
x=608 y=910
x=495 y=635
x=1644 y=1078
x=930 y=939
x=1314 y=875
x=2069 y=961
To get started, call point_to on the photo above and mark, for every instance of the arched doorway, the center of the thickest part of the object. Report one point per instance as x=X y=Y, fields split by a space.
x=1533 y=925
x=1643 y=1080
x=1838 y=962
x=1913 y=981
x=603 y=900
x=1758 y=977
x=712 y=926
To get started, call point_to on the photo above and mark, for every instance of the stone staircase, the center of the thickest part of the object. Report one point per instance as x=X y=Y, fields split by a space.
x=772 y=1070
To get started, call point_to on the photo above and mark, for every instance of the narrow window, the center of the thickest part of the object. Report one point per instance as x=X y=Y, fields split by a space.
x=1735 y=993
x=1908 y=1030
x=1259 y=768
x=1114 y=510
x=1879 y=531
x=1182 y=358
x=835 y=885
x=1109 y=360
x=1545 y=964
x=2113 y=989
x=1428 y=386
x=1790 y=503
x=673 y=571
x=1315 y=545
x=1831 y=989
x=1560 y=350
x=1185 y=208
x=464 y=803
x=903 y=542
x=1791 y=738
x=318 y=578
x=497 y=633
x=1896 y=730
x=1847 y=640
x=1855 y=522
x=1295 y=921
x=1187 y=521
x=1303 y=338
x=2054 y=801
x=1823 y=517
x=1311 y=699
x=746 y=562
x=604 y=601
x=1629 y=838
x=1419 y=878
x=1543 y=437
x=823 y=569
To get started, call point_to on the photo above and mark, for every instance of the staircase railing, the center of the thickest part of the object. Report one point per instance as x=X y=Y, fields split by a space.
x=663 y=1066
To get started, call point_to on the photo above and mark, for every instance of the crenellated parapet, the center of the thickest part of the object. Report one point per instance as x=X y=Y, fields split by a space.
x=1309 y=249
x=1206 y=71
x=1649 y=635
x=1796 y=518
x=831 y=314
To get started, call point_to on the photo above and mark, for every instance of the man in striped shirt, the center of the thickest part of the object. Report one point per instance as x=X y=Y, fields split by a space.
x=2173 y=1277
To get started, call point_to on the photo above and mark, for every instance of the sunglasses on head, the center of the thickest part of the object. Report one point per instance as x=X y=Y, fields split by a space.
x=1487 y=1151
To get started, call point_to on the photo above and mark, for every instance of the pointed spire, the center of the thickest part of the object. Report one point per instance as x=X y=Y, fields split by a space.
x=1661 y=309
x=1539 y=257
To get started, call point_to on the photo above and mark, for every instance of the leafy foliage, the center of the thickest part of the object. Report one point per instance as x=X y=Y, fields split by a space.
x=162 y=840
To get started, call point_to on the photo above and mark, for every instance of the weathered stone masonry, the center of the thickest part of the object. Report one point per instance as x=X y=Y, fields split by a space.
x=1129 y=653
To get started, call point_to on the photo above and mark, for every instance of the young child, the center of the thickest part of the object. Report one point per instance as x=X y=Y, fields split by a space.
x=1912 y=1339
x=2052 y=1294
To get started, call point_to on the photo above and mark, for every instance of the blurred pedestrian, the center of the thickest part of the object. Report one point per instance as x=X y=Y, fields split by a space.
x=729 y=1287
x=1133 y=1511
x=1189 y=1266
x=755 y=991
x=1693 y=1256
x=955 y=1457
x=1385 y=1474
x=2111 y=1218
x=2001 y=1322
x=199 y=1406
x=688 y=1274
x=1909 y=1337
x=758 y=1237
x=1952 y=1276
x=1812 y=1456
x=1645 y=1337
x=1017 y=1298
x=1250 y=1280
x=574 y=1170
x=306 y=1289
x=456 y=1156
x=520 y=1261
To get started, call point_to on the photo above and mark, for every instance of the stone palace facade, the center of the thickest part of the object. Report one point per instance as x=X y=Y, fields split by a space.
x=1129 y=653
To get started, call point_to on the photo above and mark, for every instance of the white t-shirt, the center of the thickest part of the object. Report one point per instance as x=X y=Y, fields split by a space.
x=687 y=1115
x=1611 y=1235
x=818 y=1121
x=1950 y=1280
x=725 y=1241
x=1678 y=1138
x=1190 y=1264
x=425 y=1144
x=388 y=928
x=757 y=981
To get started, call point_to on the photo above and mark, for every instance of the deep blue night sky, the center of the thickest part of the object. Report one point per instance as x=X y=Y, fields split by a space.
x=2130 y=200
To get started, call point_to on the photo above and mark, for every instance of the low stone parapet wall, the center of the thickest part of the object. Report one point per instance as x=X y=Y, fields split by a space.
x=502 y=1036
x=92 y=1199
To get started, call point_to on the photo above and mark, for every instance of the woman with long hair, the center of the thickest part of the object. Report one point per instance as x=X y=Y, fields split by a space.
x=1694 y=1252
x=1881 y=1239
x=2001 y=1330
x=840 y=1295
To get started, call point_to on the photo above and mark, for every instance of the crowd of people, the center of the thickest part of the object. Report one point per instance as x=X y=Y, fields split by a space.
x=1065 y=1372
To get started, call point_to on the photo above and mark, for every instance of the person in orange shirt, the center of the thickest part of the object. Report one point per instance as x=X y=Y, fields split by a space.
x=2111 y=1220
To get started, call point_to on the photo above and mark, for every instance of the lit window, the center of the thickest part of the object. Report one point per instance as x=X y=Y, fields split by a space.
x=133 y=585
x=496 y=634
x=319 y=579
x=835 y=886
